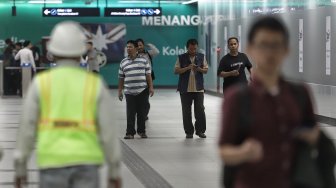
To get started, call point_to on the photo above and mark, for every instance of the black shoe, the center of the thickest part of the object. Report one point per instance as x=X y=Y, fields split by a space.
x=189 y=136
x=128 y=136
x=143 y=135
x=201 y=135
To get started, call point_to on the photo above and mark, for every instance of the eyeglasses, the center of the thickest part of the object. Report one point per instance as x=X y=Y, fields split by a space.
x=272 y=47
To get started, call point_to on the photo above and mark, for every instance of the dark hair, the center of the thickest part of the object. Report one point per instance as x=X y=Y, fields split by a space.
x=26 y=43
x=133 y=42
x=231 y=38
x=8 y=41
x=18 y=44
x=89 y=42
x=140 y=40
x=270 y=23
x=191 y=42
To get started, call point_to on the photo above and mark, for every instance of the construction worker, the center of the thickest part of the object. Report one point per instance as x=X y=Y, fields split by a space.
x=68 y=110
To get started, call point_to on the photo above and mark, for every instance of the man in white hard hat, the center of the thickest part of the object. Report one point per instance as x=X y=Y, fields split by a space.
x=68 y=110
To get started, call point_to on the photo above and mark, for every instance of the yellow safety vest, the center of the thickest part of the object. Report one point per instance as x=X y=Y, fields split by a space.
x=67 y=132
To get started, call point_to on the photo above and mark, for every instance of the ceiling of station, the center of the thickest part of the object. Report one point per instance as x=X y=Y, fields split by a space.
x=95 y=1
x=144 y=2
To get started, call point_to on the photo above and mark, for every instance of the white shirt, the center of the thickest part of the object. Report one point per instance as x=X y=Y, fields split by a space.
x=26 y=56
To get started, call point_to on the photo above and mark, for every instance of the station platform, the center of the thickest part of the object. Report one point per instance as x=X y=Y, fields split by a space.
x=166 y=159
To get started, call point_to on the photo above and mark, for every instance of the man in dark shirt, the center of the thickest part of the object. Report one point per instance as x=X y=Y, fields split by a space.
x=232 y=65
x=264 y=156
x=8 y=74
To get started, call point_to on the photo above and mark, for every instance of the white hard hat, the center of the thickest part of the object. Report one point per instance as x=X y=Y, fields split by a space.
x=67 y=40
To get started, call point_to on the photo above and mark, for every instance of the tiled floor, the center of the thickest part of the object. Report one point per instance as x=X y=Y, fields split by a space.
x=182 y=163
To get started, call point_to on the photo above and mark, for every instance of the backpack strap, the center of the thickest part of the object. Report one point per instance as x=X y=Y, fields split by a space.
x=244 y=117
x=301 y=96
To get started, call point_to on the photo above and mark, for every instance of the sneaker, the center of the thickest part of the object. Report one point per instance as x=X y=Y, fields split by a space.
x=143 y=135
x=189 y=136
x=128 y=136
x=201 y=135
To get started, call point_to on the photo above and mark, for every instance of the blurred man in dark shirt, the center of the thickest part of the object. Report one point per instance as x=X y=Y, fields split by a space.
x=264 y=156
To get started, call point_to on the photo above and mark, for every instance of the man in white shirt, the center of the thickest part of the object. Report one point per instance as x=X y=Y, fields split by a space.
x=26 y=55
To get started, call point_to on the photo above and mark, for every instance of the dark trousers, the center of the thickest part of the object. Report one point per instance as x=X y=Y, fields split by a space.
x=136 y=106
x=200 y=124
x=147 y=107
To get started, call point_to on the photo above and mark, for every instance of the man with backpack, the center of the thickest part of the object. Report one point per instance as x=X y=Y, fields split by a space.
x=149 y=55
x=263 y=122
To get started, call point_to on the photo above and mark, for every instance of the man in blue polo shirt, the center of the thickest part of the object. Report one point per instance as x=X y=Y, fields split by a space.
x=136 y=81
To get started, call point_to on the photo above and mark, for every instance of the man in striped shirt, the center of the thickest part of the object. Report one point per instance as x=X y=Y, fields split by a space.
x=136 y=81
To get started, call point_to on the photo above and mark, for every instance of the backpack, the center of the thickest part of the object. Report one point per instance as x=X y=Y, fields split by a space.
x=308 y=171
x=151 y=59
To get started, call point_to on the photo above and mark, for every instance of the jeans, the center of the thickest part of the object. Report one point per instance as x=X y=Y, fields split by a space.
x=84 y=176
x=136 y=106
x=200 y=124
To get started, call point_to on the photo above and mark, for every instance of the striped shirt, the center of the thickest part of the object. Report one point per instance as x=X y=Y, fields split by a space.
x=134 y=73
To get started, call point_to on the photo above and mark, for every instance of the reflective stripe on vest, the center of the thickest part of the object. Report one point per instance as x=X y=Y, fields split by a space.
x=67 y=132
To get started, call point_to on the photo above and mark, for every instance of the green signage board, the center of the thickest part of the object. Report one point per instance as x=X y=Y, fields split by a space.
x=168 y=33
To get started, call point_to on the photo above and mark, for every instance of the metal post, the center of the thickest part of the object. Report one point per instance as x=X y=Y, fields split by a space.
x=1 y=78
x=26 y=78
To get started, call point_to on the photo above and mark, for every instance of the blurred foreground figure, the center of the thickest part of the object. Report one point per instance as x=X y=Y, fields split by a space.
x=67 y=111
x=269 y=129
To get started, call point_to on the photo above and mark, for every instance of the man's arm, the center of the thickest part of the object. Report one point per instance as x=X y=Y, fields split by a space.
x=205 y=67
x=250 y=151
x=149 y=78
x=224 y=74
x=120 y=88
x=108 y=133
x=150 y=84
x=17 y=56
x=32 y=61
x=153 y=51
x=27 y=130
x=121 y=82
x=37 y=56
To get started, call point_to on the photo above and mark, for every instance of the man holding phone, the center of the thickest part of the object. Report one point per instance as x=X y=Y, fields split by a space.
x=232 y=65
x=191 y=67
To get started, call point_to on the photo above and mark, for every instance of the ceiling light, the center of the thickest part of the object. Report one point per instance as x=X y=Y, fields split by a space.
x=189 y=2
x=142 y=2
x=134 y=2
x=46 y=2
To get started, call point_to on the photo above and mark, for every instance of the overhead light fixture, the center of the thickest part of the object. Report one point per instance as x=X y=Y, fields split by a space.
x=46 y=2
x=134 y=1
x=189 y=2
x=146 y=1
